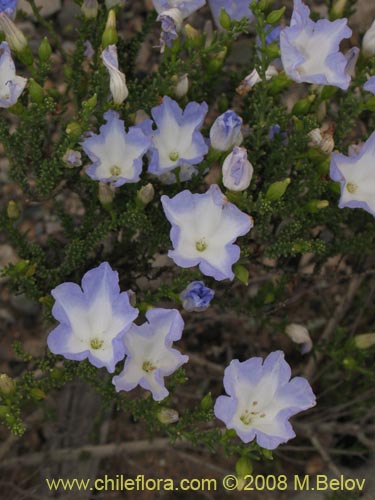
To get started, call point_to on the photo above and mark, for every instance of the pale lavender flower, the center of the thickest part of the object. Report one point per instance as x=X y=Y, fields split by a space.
x=310 y=51
x=261 y=399
x=171 y=23
x=196 y=297
x=117 y=80
x=370 y=85
x=9 y=7
x=116 y=155
x=187 y=7
x=236 y=9
x=253 y=78
x=89 y=49
x=177 y=139
x=11 y=85
x=204 y=229
x=150 y=355
x=356 y=175
x=237 y=170
x=225 y=132
x=93 y=319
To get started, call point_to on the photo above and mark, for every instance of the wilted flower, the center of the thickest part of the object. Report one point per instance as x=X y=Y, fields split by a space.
x=253 y=78
x=150 y=355
x=72 y=158
x=186 y=7
x=11 y=85
x=368 y=42
x=322 y=138
x=177 y=139
x=356 y=175
x=300 y=335
x=117 y=82
x=204 y=229
x=168 y=416
x=93 y=319
x=89 y=49
x=364 y=340
x=196 y=297
x=261 y=399
x=237 y=170
x=226 y=131
x=310 y=51
x=236 y=9
x=351 y=60
x=370 y=85
x=9 y=7
x=116 y=155
x=171 y=24
x=146 y=194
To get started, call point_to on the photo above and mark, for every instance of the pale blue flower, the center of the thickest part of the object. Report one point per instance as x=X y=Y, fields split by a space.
x=116 y=155
x=370 y=85
x=150 y=355
x=177 y=139
x=93 y=319
x=236 y=9
x=310 y=51
x=225 y=132
x=261 y=399
x=356 y=175
x=196 y=297
x=187 y=7
x=9 y=7
x=204 y=229
x=11 y=85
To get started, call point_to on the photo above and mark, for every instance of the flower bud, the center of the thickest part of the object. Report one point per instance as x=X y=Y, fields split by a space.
x=368 y=42
x=106 y=194
x=315 y=205
x=207 y=402
x=244 y=467
x=364 y=340
x=275 y=16
x=277 y=189
x=253 y=78
x=7 y=385
x=237 y=170
x=167 y=416
x=110 y=36
x=192 y=33
x=73 y=129
x=351 y=60
x=113 y=3
x=44 y=50
x=182 y=85
x=13 y=212
x=146 y=194
x=14 y=36
x=225 y=19
x=338 y=9
x=36 y=92
x=226 y=131
x=90 y=8
x=300 y=335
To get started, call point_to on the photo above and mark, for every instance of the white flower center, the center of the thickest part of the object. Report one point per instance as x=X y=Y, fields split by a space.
x=249 y=416
x=115 y=171
x=96 y=343
x=148 y=366
x=201 y=245
x=351 y=187
x=174 y=156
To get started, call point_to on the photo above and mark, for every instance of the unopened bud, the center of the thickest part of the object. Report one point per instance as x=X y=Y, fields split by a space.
x=182 y=85
x=90 y=9
x=244 y=467
x=7 y=384
x=338 y=9
x=207 y=402
x=302 y=107
x=36 y=92
x=277 y=189
x=44 y=50
x=225 y=19
x=368 y=42
x=106 y=194
x=13 y=212
x=110 y=35
x=167 y=416
x=73 y=129
x=364 y=340
x=146 y=194
x=14 y=36
x=300 y=335
x=275 y=16
x=191 y=33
